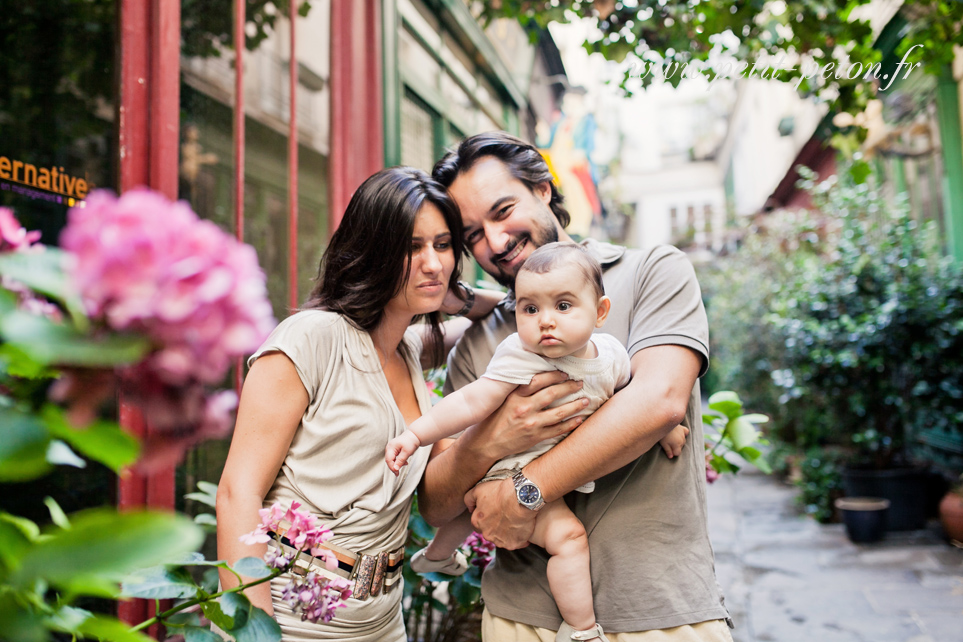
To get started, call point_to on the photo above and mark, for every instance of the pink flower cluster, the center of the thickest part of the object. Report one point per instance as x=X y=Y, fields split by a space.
x=300 y=528
x=146 y=264
x=482 y=552
x=13 y=236
x=316 y=598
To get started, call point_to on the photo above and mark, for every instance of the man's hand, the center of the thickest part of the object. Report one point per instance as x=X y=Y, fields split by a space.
x=496 y=514
x=673 y=443
x=525 y=418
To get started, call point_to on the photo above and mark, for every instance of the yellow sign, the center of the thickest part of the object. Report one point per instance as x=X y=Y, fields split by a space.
x=54 y=179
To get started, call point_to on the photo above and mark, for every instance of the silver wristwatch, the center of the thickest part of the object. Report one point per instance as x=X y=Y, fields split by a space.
x=527 y=492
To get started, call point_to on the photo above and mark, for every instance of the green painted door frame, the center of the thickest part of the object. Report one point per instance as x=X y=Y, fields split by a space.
x=951 y=138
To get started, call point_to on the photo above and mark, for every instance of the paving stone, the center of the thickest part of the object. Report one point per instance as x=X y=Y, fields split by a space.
x=918 y=600
x=789 y=579
x=945 y=627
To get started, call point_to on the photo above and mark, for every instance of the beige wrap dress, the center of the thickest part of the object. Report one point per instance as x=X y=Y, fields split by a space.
x=335 y=466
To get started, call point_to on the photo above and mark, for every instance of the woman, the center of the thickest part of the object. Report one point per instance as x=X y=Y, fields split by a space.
x=336 y=381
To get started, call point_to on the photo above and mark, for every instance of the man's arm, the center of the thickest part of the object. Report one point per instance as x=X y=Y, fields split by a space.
x=520 y=423
x=622 y=430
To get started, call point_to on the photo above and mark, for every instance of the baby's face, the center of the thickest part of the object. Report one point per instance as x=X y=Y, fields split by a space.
x=557 y=312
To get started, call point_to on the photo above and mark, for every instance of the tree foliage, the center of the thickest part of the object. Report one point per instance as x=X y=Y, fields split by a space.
x=804 y=34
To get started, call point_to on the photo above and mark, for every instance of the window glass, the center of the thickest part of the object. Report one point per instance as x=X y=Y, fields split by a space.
x=57 y=142
x=207 y=157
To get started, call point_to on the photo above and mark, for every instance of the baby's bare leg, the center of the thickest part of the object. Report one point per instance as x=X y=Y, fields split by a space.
x=562 y=535
x=449 y=537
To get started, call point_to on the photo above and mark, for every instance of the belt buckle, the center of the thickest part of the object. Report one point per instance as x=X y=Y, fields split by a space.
x=378 y=578
x=362 y=574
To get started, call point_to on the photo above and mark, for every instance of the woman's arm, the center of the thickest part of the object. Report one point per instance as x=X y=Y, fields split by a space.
x=272 y=403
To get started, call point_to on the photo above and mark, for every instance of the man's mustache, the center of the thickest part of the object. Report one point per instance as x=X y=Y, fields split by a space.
x=497 y=258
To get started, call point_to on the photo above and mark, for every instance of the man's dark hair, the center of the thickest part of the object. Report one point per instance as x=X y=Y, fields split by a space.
x=369 y=256
x=522 y=159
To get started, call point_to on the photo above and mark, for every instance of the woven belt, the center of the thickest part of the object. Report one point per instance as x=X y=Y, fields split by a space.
x=372 y=573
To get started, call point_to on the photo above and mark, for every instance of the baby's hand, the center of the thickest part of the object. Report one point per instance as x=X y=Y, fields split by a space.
x=400 y=449
x=673 y=442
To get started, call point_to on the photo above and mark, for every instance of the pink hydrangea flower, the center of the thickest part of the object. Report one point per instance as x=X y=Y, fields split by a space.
x=316 y=598
x=300 y=527
x=481 y=551
x=146 y=264
x=13 y=236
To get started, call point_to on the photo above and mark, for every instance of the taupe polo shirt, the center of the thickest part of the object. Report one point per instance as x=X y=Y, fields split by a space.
x=652 y=564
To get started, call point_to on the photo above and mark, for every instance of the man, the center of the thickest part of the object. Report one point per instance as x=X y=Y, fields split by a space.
x=652 y=565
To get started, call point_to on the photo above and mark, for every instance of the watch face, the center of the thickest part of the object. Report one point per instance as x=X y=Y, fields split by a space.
x=529 y=494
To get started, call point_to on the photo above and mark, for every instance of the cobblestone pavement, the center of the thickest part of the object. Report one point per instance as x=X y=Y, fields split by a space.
x=788 y=578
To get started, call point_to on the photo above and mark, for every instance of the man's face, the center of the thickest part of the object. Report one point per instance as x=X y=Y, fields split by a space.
x=504 y=220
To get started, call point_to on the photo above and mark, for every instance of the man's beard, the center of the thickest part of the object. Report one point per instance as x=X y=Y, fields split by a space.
x=542 y=235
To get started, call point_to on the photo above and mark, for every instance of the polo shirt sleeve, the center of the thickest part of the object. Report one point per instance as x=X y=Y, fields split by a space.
x=668 y=305
x=306 y=338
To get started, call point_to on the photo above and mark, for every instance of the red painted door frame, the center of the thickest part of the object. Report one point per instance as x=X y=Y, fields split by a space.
x=357 y=118
x=149 y=133
x=149 y=144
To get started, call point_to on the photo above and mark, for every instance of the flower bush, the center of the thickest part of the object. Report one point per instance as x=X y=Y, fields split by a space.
x=145 y=299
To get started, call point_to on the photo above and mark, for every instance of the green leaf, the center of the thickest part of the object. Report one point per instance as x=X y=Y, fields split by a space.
x=184 y=618
x=68 y=619
x=419 y=527
x=102 y=441
x=742 y=433
x=210 y=580
x=57 y=514
x=722 y=465
x=110 y=629
x=106 y=545
x=253 y=567
x=756 y=418
x=14 y=545
x=23 y=448
x=44 y=272
x=197 y=634
x=727 y=403
x=205 y=519
x=230 y=611
x=710 y=419
x=260 y=627
x=237 y=607
x=18 y=623
x=203 y=498
x=160 y=582
x=51 y=343
x=208 y=487
x=20 y=364
x=60 y=454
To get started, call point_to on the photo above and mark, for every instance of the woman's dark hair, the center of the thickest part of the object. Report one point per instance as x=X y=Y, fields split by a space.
x=523 y=160
x=368 y=258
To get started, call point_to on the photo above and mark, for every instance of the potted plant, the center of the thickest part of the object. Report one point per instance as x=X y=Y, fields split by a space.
x=868 y=329
x=951 y=513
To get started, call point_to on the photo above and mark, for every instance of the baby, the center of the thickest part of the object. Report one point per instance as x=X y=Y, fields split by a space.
x=560 y=302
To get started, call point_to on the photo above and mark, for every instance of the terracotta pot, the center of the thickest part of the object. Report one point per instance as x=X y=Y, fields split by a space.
x=951 y=514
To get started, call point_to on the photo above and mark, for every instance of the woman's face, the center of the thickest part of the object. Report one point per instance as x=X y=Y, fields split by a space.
x=432 y=262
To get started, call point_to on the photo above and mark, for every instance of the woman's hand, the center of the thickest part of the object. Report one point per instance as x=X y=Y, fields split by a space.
x=525 y=418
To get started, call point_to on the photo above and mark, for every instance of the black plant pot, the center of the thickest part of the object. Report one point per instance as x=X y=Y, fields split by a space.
x=865 y=518
x=907 y=489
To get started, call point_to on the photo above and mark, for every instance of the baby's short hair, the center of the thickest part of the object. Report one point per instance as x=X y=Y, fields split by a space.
x=553 y=255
